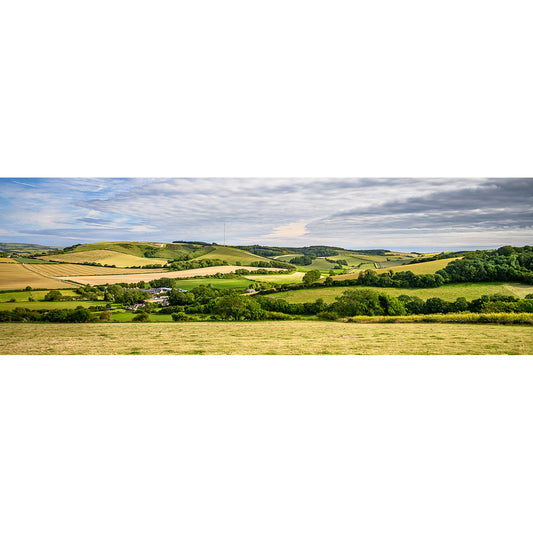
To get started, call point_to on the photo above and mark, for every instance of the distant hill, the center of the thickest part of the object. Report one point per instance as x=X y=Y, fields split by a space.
x=24 y=248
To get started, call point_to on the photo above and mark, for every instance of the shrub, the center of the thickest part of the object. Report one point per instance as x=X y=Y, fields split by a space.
x=142 y=317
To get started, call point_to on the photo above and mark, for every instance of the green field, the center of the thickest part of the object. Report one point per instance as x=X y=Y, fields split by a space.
x=222 y=283
x=451 y=292
x=418 y=268
x=9 y=306
x=30 y=261
x=270 y=338
x=232 y=255
x=22 y=296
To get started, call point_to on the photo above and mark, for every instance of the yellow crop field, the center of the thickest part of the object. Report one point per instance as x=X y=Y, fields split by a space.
x=128 y=277
x=106 y=257
x=295 y=277
x=7 y=260
x=418 y=268
x=18 y=276
x=66 y=270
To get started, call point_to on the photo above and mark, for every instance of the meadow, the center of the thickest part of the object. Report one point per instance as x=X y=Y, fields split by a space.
x=106 y=257
x=232 y=255
x=23 y=296
x=269 y=338
x=450 y=292
x=418 y=268
x=72 y=304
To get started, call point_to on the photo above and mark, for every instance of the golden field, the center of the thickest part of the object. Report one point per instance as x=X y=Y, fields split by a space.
x=18 y=276
x=269 y=338
x=105 y=257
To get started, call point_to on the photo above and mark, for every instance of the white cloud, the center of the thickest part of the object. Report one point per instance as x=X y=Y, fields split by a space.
x=294 y=229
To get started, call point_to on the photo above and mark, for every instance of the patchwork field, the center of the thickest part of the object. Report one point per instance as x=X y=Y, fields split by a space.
x=18 y=276
x=418 y=268
x=106 y=257
x=134 y=278
x=451 y=292
x=278 y=338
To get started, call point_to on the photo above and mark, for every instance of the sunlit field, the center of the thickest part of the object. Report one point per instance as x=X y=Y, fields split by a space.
x=450 y=292
x=269 y=338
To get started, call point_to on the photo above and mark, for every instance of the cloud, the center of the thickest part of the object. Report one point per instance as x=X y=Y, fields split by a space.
x=360 y=213
x=294 y=229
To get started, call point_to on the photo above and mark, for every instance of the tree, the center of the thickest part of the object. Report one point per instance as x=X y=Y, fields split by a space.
x=52 y=296
x=311 y=277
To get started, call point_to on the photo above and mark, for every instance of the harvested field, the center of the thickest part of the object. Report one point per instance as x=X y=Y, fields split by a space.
x=295 y=277
x=19 y=276
x=134 y=278
x=65 y=270
x=7 y=260
x=269 y=338
x=105 y=257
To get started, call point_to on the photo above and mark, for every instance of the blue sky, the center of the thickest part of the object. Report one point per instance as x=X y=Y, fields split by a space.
x=399 y=214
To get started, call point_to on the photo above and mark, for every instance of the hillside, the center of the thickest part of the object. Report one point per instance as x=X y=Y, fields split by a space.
x=429 y=267
x=105 y=257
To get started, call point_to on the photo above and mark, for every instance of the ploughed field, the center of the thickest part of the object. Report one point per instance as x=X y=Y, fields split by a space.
x=269 y=338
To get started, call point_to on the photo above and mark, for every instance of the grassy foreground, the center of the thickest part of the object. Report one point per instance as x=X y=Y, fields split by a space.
x=269 y=338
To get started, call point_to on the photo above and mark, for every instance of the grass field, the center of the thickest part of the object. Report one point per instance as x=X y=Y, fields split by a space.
x=418 y=268
x=106 y=257
x=218 y=283
x=270 y=338
x=31 y=260
x=22 y=296
x=18 y=276
x=451 y=292
x=232 y=255
x=9 y=306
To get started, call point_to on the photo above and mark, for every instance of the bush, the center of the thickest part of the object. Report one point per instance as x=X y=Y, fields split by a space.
x=328 y=315
x=142 y=317
x=179 y=317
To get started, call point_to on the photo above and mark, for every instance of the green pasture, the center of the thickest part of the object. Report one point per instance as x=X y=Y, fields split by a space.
x=10 y=306
x=232 y=255
x=451 y=292
x=23 y=296
x=238 y=283
x=29 y=260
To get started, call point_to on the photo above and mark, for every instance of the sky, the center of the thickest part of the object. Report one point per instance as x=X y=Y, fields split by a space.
x=405 y=214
